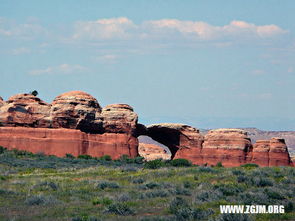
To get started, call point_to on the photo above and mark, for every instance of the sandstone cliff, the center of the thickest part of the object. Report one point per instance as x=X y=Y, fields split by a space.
x=75 y=123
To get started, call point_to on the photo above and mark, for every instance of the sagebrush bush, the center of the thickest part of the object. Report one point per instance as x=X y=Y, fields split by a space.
x=138 y=180
x=154 y=194
x=106 y=184
x=124 y=197
x=46 y=185
x=121 y=209
x=106 y=158
x=228 y=189
x=180 y=163
x=84 y=156
x=177 y=204
x=40 y=200
x=154 y=164
x=250 y=165
x=103 y=201
x=152 y=185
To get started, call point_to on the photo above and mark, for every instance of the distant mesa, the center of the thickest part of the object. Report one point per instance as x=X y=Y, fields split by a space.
x=75 y=123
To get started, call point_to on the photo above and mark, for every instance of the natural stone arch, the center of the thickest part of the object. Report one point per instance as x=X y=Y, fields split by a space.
x=179 y=138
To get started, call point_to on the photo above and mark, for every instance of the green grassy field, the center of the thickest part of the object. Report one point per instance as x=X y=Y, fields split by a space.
x=38 y=187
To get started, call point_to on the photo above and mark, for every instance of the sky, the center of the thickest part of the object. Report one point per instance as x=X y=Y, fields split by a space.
x=206 y=63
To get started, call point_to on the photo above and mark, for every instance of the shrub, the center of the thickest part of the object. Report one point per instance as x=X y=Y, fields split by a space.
x=121 y=209
x=289 y=207
x=46 y=185
x=250 y=165
x=182 y=191
x=177 y=204
x=154 y=194
x=85 y=218
x=261 y=181
x=103 y=201
x=2 y=149
x=274 y=194
x=138 y=181
x=70 y=156
x=124 y=197
x=206 y=169
x=40 y=200
x=139 y=160
x=187 y=184
x=238 y=172
x=106 y=158
x=34 y=92
x=180 y=163
x=106 y=184
x=125 y=159
x=152 y=185
x=85 y=156
x=208 y=196
x=228 y=189
x=154 y=164
x=129 y=169
x=241 y=179
x=219 y=164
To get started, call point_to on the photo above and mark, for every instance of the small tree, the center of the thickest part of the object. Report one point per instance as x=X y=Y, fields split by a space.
x=34 y=92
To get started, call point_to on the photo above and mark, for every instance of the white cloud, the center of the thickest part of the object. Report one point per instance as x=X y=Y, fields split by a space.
x=124 y=28
x=60 y=69
x=19 y=51
x=107 y=58
x=104 y=29
x=10 y=29
x=205 y=31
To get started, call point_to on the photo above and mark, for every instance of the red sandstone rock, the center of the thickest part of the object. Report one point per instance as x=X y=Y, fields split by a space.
x=76 y=110
x=271 y=152
x=228 y=146
x=119 y=118
x=59 y=142
x=25 y=110
x=260 y=154
x=152 y=152
x=278 y=153
x=183 y=141
x=113 y=131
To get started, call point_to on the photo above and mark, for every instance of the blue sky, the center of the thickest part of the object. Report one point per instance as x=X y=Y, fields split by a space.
x=208 y=63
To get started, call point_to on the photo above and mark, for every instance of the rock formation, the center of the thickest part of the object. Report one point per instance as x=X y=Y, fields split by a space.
x=25 y=110
x=90 y=130
x=75 y=123
x=228 y=146
x=119 y=118
x=76 y=110
x=152 y=152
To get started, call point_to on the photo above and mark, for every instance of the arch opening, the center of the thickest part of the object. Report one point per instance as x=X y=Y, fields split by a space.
x=150 y=149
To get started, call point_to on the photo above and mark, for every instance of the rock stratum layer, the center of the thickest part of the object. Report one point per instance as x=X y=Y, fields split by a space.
x=75 y=123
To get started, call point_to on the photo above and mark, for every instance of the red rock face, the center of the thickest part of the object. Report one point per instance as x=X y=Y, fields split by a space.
x=75 y=123
x=228 y=146
x=25 y=110
x=76 y=110
x=59 y=142
x=271 y=152
x=119 y=118
x=260 y=154
x=182 y=140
